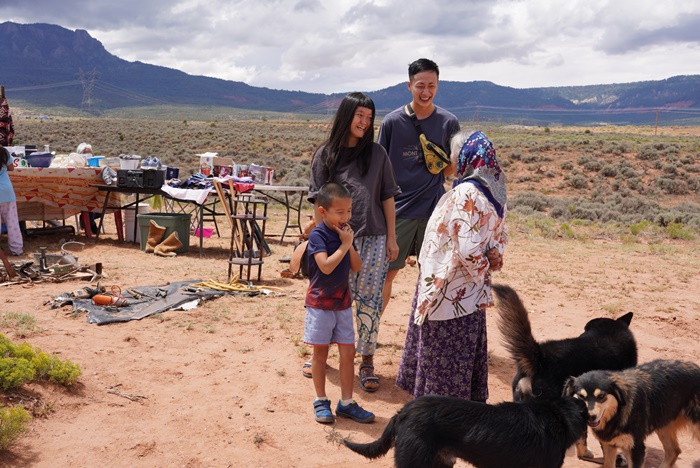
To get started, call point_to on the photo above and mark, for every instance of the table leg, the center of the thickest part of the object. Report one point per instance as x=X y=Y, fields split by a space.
x=286 y=224
x=102 y=218
x=136 y=212
x=201 y=228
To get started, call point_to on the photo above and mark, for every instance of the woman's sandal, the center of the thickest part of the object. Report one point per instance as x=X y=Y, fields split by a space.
x=306 y=370
x=364 y=379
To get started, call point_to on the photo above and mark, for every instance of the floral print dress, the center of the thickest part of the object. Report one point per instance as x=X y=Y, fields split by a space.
x=445 y=351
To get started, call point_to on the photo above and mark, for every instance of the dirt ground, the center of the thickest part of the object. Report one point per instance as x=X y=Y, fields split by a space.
x=221 y=385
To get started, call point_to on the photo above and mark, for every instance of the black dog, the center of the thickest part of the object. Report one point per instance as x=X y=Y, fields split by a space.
x=542 y=368
x=431 y=431
x=626 y=406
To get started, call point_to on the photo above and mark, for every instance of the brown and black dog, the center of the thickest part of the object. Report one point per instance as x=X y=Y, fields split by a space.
x=626 y=406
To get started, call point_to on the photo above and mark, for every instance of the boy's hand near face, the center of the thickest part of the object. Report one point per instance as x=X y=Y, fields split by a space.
x=347 y=235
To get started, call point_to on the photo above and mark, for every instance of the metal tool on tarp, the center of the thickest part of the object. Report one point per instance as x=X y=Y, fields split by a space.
x=139 y=294
x=112 y=298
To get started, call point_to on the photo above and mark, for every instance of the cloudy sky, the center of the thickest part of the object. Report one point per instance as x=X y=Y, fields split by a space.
x=332 y=46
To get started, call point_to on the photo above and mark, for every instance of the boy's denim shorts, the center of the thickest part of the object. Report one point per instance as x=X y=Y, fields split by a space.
x=324 y=327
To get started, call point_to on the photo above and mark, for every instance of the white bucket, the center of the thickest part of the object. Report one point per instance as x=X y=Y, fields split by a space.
x=130 y=220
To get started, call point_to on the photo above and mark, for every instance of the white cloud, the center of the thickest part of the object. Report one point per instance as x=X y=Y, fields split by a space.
x=343 y=45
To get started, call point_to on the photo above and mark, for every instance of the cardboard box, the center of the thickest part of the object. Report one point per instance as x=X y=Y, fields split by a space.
x=212 y=165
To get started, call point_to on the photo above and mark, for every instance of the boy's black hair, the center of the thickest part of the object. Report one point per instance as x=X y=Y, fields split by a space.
x=330 y=192
x=4 y=156
x=421 y=65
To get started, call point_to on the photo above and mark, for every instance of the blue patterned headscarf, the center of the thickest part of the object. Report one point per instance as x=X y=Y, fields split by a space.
x=477 y=164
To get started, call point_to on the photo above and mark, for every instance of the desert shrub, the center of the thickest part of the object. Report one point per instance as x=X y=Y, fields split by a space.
x=641 y=226
x=536 y=201
x=687 y=159
x=671 y=149
x=678 y=231
x=648 y=153
x=15 y=372
x=608 y=171
x=672 y=186
x=566 y=231
x=669 y=169
x=530 y=158
x=13 y=420
x=593 y=166
x=578 y=182
x=567 y=165
x=627 y=171
x=635 y=184
x=21 y=363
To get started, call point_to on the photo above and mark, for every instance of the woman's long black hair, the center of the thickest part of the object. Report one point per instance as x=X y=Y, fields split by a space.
x=4 y=156
x=340 y=131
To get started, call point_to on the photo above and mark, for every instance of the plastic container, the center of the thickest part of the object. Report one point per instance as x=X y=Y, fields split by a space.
x=94 y=161
x=40 y=159
x=130 y=163
x=206 y=232
x=130 y=219
x=114 y=163
x=179 y=222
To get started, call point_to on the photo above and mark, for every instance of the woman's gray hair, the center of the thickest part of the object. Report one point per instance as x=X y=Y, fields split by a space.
x=456 y=143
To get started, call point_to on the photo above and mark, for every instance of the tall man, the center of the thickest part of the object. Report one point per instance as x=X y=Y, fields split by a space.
x=420 y=189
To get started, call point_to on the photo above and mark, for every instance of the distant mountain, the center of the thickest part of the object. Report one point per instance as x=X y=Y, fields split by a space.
x=48 y=65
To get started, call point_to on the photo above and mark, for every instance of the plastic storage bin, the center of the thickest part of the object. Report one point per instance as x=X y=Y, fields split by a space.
x=94 y=161
x=179 y=222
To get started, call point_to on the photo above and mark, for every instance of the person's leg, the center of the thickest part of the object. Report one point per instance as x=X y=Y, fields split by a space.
x=14 y=233
x=366 y=287
x=405 y=237
x=346 y=370
x=318 y=370
x=388 y=286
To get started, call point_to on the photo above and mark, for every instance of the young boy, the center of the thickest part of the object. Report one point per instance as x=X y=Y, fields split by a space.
x=329 y=316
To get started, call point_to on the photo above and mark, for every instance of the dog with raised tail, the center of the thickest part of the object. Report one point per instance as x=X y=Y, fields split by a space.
x=543 y=367
x=433 y=431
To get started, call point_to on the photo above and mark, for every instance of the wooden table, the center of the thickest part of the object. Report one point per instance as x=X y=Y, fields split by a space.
x=48 y=193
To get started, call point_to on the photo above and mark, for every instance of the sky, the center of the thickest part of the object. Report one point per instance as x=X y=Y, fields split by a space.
x=337 y=46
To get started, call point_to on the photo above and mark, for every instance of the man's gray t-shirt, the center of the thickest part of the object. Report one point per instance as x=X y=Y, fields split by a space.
x=420 y=190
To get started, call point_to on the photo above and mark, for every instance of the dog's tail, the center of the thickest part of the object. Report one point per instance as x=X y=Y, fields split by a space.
x=514 y=325
x=380 y=446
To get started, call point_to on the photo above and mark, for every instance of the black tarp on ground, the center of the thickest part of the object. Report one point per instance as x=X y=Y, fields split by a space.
x=137 y=309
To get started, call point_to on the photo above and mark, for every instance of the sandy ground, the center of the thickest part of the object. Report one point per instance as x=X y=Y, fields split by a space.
x=221 y=386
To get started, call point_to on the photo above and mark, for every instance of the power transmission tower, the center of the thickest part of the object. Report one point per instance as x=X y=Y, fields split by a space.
x=87 y=80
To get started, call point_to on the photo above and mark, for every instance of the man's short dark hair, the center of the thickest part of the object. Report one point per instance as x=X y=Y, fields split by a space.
x=330 y=192
x=421 y=65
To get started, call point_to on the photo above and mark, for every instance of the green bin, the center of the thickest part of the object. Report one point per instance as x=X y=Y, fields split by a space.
x=179 y=222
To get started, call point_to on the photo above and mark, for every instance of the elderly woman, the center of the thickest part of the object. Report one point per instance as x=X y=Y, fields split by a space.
x=445 y=351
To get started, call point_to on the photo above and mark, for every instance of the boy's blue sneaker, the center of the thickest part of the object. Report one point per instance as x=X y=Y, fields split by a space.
x=354 y=412
x=322 y=408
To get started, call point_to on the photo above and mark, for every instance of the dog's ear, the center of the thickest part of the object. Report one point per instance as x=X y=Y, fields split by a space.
x=619 y=394
x=626 y=319
x=568 y=387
